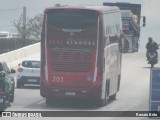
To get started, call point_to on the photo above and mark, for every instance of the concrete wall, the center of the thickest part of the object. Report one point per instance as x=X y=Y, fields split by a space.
x=13 y=58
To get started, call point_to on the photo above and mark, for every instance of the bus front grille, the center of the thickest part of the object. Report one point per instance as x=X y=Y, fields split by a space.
x=72 y=61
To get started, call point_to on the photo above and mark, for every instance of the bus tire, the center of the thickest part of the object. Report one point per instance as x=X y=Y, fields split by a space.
x=49 y=101
x=105 y=100
x=113 y=97
x=119 y=80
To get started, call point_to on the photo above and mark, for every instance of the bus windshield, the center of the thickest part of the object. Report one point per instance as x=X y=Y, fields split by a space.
x=72 y=28
x=72 y=19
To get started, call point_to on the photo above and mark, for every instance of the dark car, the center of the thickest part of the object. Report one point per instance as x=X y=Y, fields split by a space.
x=8 y=75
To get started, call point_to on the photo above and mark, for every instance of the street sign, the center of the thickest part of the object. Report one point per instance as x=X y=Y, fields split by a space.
x=155 y=90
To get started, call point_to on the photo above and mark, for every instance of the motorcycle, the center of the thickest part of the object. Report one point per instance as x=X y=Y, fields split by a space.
x=152 y=59
x=4 y=101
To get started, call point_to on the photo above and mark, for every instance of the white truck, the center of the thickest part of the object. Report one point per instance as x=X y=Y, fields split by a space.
x=131 y=14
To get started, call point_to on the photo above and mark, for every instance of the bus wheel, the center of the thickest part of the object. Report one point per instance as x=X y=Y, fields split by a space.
x=105 y=100
x=49 y=101
x=112 y=97
x=119 y=80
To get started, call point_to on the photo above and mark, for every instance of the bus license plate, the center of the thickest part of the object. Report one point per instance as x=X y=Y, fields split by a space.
x=1 y=100
x=70 y=93
x=32 y=80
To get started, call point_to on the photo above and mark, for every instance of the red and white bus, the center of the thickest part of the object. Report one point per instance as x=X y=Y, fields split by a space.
x=80 y=53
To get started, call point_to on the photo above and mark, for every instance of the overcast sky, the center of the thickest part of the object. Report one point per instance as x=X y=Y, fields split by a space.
x=150 y=9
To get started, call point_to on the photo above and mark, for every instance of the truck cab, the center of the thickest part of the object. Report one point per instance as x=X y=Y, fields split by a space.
x=131 y=30
x=131 y=15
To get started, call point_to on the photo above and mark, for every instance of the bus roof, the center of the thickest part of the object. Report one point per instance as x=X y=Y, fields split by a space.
x=96 y=8
x=122 y=4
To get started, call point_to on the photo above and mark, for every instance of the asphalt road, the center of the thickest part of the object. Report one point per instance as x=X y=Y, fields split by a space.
x=133 y=94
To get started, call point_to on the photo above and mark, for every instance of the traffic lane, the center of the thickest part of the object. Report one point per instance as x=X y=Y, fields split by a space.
x=114 y=105
x=133 y=94
x=29 y=99
x=31 y=93
x=134 y=86
x=25 y=97
x=129 y=80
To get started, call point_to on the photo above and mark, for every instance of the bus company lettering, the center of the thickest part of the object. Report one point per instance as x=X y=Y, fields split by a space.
x=70 y=74
x=88 y=43
x=73 y=42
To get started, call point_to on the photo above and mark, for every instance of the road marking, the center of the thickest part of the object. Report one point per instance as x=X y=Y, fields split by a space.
x=41 y=101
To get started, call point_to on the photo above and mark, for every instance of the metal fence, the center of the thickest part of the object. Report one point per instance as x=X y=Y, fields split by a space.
x=9 y=44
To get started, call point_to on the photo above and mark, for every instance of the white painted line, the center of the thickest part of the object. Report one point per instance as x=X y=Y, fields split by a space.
x=41 y=101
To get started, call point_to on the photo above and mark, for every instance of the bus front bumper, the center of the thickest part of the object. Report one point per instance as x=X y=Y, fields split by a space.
x=71 y=92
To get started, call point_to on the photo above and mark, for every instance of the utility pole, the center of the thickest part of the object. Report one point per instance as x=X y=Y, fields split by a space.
x=24 y=26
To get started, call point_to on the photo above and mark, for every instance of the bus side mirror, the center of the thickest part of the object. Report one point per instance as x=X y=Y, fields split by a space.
x=144 y=21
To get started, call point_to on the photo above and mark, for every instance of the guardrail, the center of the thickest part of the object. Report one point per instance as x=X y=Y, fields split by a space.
x=14 y=57
x=13 y=43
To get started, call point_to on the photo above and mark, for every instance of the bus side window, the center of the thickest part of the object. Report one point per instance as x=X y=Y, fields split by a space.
x=113 y=39
x=107 y=42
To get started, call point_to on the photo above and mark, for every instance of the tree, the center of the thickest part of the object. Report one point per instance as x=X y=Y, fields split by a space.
x=19 y=29
x=35 y=27
x=32 y=30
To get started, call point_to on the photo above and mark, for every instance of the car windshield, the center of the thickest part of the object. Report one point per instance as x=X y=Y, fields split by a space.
x=31 y=64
